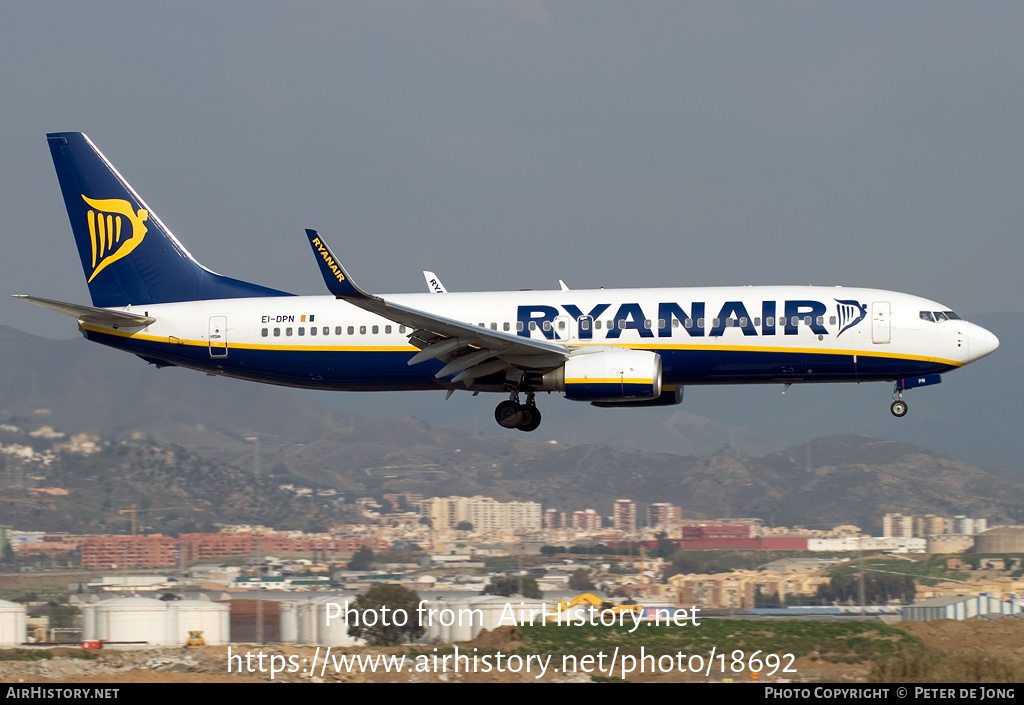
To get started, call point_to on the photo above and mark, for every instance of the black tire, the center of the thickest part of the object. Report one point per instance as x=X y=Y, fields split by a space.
x=508 y=414
x=530 y=420
x=898 y=408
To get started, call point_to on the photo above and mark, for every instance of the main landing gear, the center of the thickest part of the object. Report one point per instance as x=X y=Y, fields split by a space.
x=898 y=406
x=512 y=414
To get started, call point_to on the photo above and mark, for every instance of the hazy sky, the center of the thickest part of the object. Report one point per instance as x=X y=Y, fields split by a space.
x=507 y=144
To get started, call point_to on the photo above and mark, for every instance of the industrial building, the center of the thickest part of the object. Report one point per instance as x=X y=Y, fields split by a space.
x=962 y=607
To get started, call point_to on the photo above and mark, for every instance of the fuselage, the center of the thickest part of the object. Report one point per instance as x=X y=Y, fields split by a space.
x=713 y=335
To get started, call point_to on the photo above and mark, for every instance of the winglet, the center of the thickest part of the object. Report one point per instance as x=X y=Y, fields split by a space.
x=337 y=279
x=434 y=284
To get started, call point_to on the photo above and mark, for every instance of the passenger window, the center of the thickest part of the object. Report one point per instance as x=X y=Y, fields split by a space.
x=647 y=323
x=519 y=326
x=820 y=320
x=561 y=325
x=277 y=332
x=533 y=325
x=327 y=330
x=807 y=320
x=375 y=330
x=688 y=323
x=770 y=321
x=622 y=324
x=387 y=329
x=312 y=330
x=743 y=322
x=351 y=330
x=716 y=322
x=832 y=321
x=700 y=322
x=302 y=330
x=584 y=324
x=401 y=329
x=287 y=331
x=362 y=330
x=494 y=326
x=505 y=326
x=661 y=324
x=757 y=321
x=597 y=325
x=609 y=324
x=730 y=322
x=264 y=332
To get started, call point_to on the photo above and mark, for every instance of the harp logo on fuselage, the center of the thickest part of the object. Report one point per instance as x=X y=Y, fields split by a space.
x=109 y=238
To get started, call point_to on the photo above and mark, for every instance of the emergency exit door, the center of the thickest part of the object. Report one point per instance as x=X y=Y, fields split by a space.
x=218 y=336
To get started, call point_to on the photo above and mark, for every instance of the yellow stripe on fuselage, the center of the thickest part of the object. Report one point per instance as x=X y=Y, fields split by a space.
x=608 y=380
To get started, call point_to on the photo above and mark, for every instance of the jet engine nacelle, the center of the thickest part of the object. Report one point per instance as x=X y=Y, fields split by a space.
x=614 y=375
x=670 y=396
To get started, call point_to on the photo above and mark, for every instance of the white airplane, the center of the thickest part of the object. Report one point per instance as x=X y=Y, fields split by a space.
x=611 y=348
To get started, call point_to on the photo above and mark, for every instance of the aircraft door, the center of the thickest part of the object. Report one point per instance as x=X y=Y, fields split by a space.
x=565 y=328
x=880 y=322
x=218 y=336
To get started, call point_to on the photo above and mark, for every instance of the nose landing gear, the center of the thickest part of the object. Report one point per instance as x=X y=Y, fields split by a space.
x=512 y=414
x=898 y=406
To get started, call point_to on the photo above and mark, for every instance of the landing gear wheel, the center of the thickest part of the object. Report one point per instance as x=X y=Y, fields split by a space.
x=508 y=414
x=898 y=408
x=531 y=418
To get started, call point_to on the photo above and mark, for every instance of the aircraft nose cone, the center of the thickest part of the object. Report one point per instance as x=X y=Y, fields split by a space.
x=982 y=342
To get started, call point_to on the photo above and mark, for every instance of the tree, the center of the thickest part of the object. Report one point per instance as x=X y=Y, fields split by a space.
x=506 y=586
x=362 y=560
x=580 y=580
x=464 y=526
x=385 y=615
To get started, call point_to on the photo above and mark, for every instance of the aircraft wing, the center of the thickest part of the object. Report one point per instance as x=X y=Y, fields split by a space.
x=469 y=350
x=88 y=314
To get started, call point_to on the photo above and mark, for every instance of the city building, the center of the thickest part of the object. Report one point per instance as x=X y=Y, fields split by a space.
x=624 y=515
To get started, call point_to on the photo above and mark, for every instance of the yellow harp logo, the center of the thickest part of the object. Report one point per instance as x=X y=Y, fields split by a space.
x=110 y=242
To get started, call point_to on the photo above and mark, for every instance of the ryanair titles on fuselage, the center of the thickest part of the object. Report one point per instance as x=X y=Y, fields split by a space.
x=694 y=319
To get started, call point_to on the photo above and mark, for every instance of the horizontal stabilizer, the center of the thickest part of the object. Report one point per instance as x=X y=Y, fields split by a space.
x=88 y=314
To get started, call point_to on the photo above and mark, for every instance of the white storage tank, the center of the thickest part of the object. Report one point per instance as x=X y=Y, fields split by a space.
x=133 y=619
x=335 y=632
x=211 y=618
x=289 y=622
x=12 y=623
x=89 y=622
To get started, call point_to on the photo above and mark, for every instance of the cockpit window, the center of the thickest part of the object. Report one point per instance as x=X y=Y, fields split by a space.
x=940 y=316
x=951 y=316
x=927 y=316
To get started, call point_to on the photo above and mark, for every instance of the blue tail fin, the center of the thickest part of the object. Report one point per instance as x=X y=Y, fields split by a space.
x=129 y=257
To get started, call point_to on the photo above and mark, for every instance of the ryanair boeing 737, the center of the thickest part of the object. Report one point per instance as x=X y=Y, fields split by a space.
x=611 y=348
